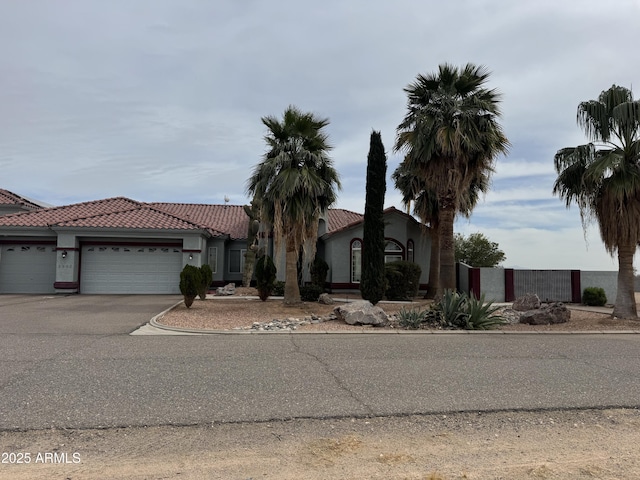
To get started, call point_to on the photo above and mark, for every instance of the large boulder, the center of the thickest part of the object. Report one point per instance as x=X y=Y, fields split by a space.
x=361 y=312
x=547 y=314
x=538 y=316
x=559 y=312
x=530 y=301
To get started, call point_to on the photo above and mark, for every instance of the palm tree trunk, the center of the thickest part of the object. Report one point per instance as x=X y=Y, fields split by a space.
x=447 y=249
x=625 y=306
x=291 y=289
x=434 y=262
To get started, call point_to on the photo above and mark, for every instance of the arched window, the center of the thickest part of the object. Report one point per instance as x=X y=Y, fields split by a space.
x=410 y=251
x=356 y=261
x=392 y=252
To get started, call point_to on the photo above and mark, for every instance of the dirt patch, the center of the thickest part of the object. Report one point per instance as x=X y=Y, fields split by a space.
x=504 y=445
x=228 y=313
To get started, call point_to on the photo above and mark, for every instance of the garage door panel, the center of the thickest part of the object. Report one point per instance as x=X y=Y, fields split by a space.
x=27 y=268
x=130 y=269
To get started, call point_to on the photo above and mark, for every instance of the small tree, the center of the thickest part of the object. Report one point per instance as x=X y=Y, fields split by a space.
x=477 y=250
x=206 y=275
x=190 y=284
x=372 y=283
x=265 y=277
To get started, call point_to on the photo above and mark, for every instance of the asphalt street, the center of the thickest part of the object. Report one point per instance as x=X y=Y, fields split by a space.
x=69 y=362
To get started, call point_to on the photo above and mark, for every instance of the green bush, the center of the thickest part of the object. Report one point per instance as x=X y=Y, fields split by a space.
x=311 y=293
x=594 y=296
x=402 y=280
x=190 y=284
x=206 y=275
x=278 y=289
x=319 y=269
x=265 y=277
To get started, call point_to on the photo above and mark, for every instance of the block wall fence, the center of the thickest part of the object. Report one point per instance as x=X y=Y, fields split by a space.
x=507 y=284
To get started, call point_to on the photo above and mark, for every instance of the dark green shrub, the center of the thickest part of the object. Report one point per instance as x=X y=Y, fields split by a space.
x=311 y=293
x=278 y=289
x=594 y=296
x=206 y=275
x=190 y=284
x=319 y=270
x=265 y=277
x=402 y=280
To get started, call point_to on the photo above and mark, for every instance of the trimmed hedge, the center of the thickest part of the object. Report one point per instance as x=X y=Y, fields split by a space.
x=206 y=279
x=265 y=277
x=402 y=280
x=594 y=296
x=190 y=284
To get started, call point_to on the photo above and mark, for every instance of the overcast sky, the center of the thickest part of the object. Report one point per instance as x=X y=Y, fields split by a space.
x=161 y=100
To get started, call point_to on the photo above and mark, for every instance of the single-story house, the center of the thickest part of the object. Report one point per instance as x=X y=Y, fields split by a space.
x=119 y=245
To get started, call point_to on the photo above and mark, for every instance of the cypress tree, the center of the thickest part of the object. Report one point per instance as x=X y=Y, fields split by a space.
x=372 y=282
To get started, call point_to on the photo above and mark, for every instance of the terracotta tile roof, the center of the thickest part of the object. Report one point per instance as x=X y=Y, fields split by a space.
x=46 y=217
x=121 y=212
x=142 y=217
x=230 y=219
x=340 y=219
x=10 y=198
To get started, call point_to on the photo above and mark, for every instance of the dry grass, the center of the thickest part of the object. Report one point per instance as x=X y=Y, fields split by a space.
x=228 y=313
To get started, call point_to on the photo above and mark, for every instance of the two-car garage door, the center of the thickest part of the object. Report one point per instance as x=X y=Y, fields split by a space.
x=130 y=269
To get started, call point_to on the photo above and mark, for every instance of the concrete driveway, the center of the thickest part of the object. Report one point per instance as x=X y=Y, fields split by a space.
x=79 y=314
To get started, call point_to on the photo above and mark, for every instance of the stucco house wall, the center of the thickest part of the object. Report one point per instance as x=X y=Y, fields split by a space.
x=399 y=228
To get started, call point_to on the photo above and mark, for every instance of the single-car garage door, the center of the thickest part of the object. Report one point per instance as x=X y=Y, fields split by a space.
x=130 y=269
x=27 y=268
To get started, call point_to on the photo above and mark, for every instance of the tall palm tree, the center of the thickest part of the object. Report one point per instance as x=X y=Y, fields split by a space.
x=295 y=183
x=426 y=208
x=451 y=136
x=603 y=179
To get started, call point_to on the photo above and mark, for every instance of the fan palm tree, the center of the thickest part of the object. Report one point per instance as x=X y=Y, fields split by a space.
x=603 y=179
x=426 y=208
x=451 y=136
x=295 y=183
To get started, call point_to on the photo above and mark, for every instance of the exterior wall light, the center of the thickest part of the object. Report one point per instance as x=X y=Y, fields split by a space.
x=191 y=256
x=64 y=254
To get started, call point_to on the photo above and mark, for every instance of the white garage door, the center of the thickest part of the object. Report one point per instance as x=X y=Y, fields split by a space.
x=27 y=268
x=130 y=269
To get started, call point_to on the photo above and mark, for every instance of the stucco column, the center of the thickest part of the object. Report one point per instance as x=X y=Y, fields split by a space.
x=67 y=264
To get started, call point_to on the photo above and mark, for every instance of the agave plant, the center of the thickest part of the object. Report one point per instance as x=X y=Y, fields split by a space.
x=412 y=319
x=452 y=308
x=481 y=315
x=457 y=310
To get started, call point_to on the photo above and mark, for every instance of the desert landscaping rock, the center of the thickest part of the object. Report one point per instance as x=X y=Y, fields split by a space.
x=325 y=299
x=227 y=290
x=361 y=312
x=287 y=325
x=547 y=314
x=530 y=301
